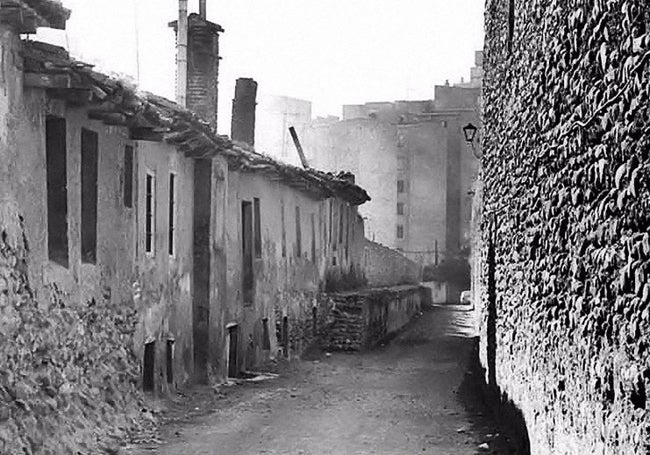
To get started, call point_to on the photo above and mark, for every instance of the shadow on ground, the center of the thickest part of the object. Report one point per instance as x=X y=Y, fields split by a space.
x=491 y=408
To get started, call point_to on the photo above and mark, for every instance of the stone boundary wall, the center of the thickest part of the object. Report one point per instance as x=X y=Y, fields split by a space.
x=359 y=320
x=387 y=267
x=565 y=247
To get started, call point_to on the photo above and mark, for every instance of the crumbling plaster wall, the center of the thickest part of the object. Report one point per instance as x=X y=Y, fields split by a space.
x=163 y=282
x=68 y=380
x=284 y=286
x=566 y=248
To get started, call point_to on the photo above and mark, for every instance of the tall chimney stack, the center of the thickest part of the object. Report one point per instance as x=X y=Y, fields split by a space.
x=202 y=55
x=181 y=54
x=243 y=111
x=203 y=10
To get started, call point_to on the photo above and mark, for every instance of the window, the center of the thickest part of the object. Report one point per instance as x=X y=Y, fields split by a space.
x=284 y=231
x=172 y=214
x=150 y=213
x=400 y=208
x=128 y=176
x=347 y=232
x=435 y=252
x=331 y=211
x=402 y=163
x=400 y=231
x=247 y=250
x=257 y=228
x=298 y=234
x=57 y=190
x=313 y=237
x=341 y=207
x=400 y=186
x=89 y=163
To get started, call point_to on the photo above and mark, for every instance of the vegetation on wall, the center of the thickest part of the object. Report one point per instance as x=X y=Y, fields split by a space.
x=567 y=205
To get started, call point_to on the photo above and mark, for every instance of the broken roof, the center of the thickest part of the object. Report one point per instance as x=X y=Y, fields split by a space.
x=152 y=117
x=27 y=15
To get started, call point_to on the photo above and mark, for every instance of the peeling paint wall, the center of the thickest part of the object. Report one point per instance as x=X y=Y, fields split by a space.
x=286 y=285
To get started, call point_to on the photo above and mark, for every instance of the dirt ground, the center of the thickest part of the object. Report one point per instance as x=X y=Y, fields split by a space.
x=418 y=394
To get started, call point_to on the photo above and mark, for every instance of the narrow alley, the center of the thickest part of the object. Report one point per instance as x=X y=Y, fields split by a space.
x=417 y=394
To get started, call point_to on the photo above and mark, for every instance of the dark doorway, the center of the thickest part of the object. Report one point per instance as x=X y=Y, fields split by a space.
x=233 y=339
x=247 y=250
x=266 y=336
x=149 y=366
x=170 y=361
x=57 y=190
x=285 y=336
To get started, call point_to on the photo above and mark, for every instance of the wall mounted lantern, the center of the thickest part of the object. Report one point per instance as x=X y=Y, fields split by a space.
x=470 y=131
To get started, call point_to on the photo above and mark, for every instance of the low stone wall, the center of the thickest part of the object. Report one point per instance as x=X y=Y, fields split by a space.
x=387 y=267
x=360 y=319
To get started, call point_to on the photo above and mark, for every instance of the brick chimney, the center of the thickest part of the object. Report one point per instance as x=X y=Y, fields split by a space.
x=202 y=66
x=243 y=111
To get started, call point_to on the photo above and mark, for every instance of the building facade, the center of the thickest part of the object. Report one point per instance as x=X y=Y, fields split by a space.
x=413 y=159
x=276 y=114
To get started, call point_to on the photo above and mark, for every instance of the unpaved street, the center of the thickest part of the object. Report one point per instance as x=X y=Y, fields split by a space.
x=413 y=396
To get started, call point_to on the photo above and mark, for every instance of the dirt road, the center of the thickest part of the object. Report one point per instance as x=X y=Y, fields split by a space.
x=413 y=396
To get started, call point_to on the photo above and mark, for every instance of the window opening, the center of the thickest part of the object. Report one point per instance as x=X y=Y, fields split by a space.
x=57 y=190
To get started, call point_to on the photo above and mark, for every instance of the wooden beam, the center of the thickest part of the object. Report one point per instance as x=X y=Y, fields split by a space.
x=110 y=118
x=145 y=134
x=47 y=80
x=73 y=96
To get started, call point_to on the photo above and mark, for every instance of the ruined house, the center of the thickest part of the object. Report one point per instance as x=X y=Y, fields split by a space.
x=128 y=198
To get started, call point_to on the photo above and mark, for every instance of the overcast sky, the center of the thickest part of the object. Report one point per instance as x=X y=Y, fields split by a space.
x=331 y=52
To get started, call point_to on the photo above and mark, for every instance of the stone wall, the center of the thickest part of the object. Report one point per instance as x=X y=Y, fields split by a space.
x=387 y=267
x=565 y=245
x=359 y=320
x=68 y=380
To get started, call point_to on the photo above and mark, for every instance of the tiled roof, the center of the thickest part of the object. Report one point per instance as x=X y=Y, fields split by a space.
x=27 y=15
x=151 y=117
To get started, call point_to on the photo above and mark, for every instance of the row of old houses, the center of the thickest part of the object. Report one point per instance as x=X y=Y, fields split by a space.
x=128 y=197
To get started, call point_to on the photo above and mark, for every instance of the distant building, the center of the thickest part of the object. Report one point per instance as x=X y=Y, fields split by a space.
x=275 y=114
x=412 y=158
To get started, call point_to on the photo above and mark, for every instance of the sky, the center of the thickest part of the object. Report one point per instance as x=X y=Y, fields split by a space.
x=330 y=52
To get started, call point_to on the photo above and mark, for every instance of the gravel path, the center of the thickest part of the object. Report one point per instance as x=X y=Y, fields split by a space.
x=417 y=395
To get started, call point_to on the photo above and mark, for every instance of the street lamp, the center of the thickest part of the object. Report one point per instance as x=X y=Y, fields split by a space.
x=470 y=131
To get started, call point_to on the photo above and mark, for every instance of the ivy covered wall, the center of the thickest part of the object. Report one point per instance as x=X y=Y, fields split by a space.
x=564 y=258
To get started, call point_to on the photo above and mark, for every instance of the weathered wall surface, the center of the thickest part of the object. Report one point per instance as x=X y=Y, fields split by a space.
x=68 y=380
x=566 y=243
x=366 y=148
x=386 y=267
x=359 y=320
x=287 y=280
x=164 y=281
